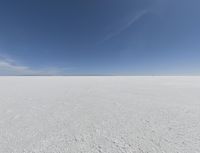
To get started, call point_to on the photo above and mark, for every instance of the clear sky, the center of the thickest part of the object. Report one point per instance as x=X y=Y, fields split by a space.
x=133 y=37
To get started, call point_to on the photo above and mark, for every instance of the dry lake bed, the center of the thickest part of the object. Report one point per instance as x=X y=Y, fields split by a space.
x=100 y=114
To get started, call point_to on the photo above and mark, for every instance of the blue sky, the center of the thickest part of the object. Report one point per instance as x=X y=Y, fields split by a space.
x=120 y=37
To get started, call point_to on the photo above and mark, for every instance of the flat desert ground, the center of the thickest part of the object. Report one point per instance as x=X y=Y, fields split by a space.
x=100 y=114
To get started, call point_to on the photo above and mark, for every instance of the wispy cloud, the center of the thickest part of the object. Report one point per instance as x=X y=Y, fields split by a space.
x=126 y=25
x=9 y=67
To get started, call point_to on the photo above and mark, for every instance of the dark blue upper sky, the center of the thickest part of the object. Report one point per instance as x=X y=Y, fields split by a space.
x=139 y=37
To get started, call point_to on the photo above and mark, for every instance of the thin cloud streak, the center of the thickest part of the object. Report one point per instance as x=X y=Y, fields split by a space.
x=126 y=26
x=9 y=67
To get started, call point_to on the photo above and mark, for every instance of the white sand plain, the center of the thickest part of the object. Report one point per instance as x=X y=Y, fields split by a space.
x=100 y=114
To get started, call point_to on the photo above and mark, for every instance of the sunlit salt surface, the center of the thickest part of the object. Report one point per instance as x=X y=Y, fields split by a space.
x=99 y=114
